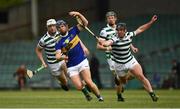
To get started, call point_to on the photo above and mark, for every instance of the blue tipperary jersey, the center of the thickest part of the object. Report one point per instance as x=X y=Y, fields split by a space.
x=70 y=45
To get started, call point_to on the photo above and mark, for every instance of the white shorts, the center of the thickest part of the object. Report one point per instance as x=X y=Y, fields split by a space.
x=122 y=69
x=55 y=68
x=111 y=64
x=75 y=70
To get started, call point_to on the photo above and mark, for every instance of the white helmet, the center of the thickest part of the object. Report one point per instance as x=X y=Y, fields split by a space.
x=51 y=22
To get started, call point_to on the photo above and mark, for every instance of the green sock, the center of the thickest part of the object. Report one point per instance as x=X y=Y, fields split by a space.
x=119 y=95
x=85 y=91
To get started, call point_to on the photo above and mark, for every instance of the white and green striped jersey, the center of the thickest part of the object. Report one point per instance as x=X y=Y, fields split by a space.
x=108 y=33
x=47 y=42
x=121 y=52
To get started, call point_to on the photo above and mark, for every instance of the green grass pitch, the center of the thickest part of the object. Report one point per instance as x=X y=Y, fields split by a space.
x=75 y=99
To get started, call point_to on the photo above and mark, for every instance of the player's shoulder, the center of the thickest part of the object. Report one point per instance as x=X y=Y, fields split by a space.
x=73 y=28
x=44 y=36
x=105 y=28
x=132 y=33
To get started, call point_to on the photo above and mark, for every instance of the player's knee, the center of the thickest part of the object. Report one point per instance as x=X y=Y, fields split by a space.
x=79 y=87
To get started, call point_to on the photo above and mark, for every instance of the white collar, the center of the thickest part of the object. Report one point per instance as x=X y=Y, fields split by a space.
x=65 y=34
x=53 y=35
x=111 y=27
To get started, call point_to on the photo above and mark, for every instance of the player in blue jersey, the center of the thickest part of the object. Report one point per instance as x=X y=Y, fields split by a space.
x=69 y=49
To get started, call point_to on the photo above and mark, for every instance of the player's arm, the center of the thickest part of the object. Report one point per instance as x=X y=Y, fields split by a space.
x=39 y=54
x=134 y=49
x=146 y=26
x=60 y=56
x=84 y=21
x=85 y=49
x=99 y=46
x=105 y=43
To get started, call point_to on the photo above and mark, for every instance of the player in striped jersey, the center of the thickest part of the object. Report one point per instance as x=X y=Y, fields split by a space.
x=107 y=33
x=77 y=63
x=47 y=43
x=124 y=60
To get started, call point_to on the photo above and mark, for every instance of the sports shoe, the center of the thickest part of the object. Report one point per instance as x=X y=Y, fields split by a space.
x=65 y=87
x=88 y=98
x=155 y=98
x=101 y=99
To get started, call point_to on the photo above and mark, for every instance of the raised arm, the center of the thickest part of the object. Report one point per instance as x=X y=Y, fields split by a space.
x=84 y=21
x=146 y=26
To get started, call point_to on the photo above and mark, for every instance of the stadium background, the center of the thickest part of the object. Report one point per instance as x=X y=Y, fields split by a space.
x=19 y=35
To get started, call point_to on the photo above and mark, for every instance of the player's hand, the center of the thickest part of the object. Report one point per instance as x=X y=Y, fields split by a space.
x=154 y=18
x=44 y=64
x=135 y=50
x=108 y=48
x=101 y=41
x=74 y=13
x=64 y=57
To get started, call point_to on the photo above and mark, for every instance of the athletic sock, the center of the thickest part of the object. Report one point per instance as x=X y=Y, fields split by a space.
x=120 y=98
x=119 y=95
x=85 y=91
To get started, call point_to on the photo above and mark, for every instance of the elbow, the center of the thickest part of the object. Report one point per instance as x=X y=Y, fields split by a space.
x=37 y=50
x=86 y=23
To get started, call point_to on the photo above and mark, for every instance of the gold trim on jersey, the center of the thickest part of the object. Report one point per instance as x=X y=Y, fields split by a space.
x=75 y=41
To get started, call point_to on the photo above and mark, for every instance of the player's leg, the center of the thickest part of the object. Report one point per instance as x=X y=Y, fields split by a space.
x=62 y=78
x=137 y=71
x=84 y=83
x=112 y=69
x=116 y=78
x=119 y=89
x=86 y=75
x=129 y=76
x=76 y=80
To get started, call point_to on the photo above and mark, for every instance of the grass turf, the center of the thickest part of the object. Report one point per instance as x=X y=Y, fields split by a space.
x=75 y=99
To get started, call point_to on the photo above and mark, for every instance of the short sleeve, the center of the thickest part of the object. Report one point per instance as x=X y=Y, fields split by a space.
x=41 y=43
x=103 y=34
x=132 y=34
